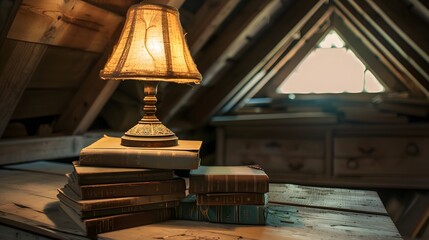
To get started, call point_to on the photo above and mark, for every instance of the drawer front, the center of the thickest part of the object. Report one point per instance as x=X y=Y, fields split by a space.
x=297 y=156
x=365 y=156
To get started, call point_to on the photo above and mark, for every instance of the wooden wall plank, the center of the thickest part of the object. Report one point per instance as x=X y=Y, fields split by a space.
x=22 y=60
x=283 y=29
x=73 y=23
x=207 y=20
x=39 y=103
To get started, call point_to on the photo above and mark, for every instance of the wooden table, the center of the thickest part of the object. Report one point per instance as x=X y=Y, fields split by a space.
x=29 y=209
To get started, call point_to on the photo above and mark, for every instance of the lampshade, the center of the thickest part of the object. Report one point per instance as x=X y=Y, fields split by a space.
x=152 y=48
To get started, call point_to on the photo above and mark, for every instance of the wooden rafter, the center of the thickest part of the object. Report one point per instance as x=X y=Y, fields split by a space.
x=233 y=39
x=399 y=50
x=87 y=102
x=207 y=20
x=390 y=57
x=364 y=50
x=311 y=33
x=405 y=23
x=253 y=60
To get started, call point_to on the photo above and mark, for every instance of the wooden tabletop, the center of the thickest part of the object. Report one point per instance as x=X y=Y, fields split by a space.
x=28 y=202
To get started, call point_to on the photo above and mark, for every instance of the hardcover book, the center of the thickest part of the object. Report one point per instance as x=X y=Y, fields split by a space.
x=109 y=152
x=70 y=198
x=231 y=199
x=122 y=210
x=94 y=226
x=116 y=190
x=87 y=175
x=235 y=214
x=227 y=179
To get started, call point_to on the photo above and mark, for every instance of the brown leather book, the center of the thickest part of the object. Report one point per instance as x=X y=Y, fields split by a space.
x=228 y=179
x=94 y=226
x=87 y=175
x=69 y=197
x=108 y=152
x=217 y=199
x=116 y=190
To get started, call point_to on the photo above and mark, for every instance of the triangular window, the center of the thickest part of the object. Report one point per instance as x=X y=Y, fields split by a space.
x=331 y=68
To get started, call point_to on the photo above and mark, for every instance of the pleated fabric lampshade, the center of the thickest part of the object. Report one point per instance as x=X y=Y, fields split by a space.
x=151 y=48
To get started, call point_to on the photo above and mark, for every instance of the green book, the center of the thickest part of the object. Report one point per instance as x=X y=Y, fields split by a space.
x=234 y=214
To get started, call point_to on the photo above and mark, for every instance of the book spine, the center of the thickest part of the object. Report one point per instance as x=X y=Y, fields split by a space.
x=231 y=199
x=106 y=224
x=128 y=209
x=129 y=201
x=133 y=189
x=123 y=178
x=156 y=159
x=228 y=183
x=239 y=214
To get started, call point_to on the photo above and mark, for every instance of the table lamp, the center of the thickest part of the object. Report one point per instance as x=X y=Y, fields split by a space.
x=151 y=48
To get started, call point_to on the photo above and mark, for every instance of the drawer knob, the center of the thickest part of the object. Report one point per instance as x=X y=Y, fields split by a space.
x=352 y=164
x=412 y=149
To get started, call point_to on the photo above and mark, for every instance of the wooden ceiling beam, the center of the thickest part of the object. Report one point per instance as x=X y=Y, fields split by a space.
x=387 y=54
x=22 y=60
x=253 y=60
x=232 y=39
x=407 y=24
x=74 y=24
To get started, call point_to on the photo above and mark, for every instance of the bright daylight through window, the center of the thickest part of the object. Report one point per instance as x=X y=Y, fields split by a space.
x=331 y=68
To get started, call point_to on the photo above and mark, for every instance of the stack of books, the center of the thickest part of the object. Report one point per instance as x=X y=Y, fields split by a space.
x=226 y=194
x=114 y=187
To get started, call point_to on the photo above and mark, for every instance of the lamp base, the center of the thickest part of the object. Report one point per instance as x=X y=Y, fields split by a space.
x=149 y=134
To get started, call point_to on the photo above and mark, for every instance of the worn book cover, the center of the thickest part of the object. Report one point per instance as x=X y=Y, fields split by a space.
x=235 y=214
x=68 y=196
x=231 y=199
x=116 y=190
x=227 y=179
x=87 y=175
x=94 y=226
x=109 y=152
x=120 y=210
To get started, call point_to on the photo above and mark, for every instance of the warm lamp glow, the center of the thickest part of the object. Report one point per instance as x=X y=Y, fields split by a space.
x=151 y=48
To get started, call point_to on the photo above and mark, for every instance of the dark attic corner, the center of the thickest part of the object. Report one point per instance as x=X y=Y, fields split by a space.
x=327 y=100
